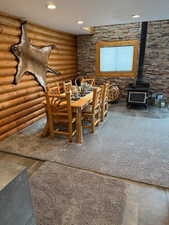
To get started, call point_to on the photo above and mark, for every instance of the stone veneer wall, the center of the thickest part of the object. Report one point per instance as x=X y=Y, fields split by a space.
x=156 y=69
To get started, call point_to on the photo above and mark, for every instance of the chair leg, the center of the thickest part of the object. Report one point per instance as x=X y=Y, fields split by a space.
x=70 y=130
x=51 y=126
x=102 y=115
x=45 y=131
x=106 y=110
x=70 y=138
x=93 y=124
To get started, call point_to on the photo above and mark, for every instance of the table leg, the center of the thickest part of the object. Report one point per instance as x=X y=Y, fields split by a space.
x=79 y=126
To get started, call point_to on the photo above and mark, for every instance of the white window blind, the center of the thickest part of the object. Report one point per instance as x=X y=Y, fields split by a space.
x=116 y=59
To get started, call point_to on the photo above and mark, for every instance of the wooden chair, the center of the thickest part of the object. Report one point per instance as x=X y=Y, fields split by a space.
x=90 y=81
x=67 y=86
x=59 y=115
x=55 y=90
x=91 y=114
x=104 y=103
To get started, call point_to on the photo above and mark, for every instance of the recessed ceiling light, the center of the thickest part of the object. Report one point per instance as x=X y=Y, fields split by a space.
x=51 y=5
x=89 y=29
x=80 y=22
x=86 y=28
x=136 y=16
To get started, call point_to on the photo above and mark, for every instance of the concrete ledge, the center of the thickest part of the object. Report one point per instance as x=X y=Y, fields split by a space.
x=15 y=196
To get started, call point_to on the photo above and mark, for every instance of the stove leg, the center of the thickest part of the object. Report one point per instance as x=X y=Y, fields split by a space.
x=128 y=106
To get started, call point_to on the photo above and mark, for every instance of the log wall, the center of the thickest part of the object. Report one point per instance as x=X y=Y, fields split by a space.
x=21 y=105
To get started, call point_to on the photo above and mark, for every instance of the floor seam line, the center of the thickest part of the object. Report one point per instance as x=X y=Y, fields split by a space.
x=87 y=170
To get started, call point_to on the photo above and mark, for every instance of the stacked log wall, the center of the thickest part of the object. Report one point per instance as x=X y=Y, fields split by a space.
x=22 y=104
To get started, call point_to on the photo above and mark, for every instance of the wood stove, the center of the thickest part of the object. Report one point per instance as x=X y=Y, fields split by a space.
x=138 y=92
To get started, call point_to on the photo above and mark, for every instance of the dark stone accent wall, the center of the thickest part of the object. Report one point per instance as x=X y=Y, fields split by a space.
x=156 y=67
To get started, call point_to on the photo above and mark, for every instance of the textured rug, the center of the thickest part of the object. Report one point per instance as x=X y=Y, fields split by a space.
x=67 y=196
x=129 y=144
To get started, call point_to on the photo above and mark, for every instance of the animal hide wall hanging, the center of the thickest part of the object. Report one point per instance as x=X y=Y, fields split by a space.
x=32 y=59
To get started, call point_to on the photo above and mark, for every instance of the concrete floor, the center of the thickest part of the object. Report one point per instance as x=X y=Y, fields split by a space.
x=146 y=205
x=31 y=164
x=129 y=144
x=136 y=203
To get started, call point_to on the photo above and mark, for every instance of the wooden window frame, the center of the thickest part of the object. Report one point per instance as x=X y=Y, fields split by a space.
x=132 y=73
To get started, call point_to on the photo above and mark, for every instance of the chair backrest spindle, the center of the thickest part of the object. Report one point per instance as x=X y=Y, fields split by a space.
x=97 y=95
x=67 y=86
x=90 y=81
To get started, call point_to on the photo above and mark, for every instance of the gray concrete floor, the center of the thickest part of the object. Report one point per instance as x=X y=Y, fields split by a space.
x=130 y=144
x=30 y=164
x=144 y=204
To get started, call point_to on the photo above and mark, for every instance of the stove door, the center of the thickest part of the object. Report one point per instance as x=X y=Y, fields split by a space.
x=137 y=97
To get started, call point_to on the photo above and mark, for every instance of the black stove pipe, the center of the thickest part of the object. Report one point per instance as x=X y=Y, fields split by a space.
x=140 y=74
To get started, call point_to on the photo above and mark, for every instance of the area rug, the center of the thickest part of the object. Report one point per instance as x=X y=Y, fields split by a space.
x=127 y=145
x=67 y=196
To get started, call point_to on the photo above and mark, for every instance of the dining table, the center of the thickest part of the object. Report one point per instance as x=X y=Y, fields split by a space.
x=77 y=107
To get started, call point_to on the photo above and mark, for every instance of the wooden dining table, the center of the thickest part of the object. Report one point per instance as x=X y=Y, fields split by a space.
x=77 y=107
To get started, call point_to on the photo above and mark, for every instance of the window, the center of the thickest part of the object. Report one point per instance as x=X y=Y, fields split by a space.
x=117 y=58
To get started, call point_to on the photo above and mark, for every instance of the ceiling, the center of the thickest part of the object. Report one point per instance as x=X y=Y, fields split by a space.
x=92 y=12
